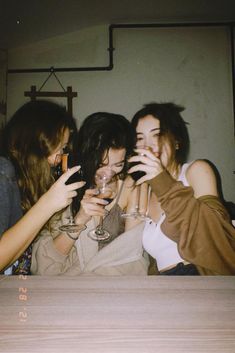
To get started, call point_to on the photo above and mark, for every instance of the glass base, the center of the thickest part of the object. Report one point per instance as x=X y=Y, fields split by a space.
x=135 y=215
x=99 y=234
x=142 y=216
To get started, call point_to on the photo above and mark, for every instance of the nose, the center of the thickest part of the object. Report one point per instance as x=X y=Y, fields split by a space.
x=149 y=142
x=152 y=144
x=108 y=170
x=57 y=159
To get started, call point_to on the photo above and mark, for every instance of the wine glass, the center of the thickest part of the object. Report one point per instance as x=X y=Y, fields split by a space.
x=61 y=166
x=136 y=214
x=107 y=187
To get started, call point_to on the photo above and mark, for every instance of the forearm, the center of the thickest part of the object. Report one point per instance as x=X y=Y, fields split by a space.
x=16 y=239
x=46 y=260
x=200 y=226
x=182 y=209
x=64 y=242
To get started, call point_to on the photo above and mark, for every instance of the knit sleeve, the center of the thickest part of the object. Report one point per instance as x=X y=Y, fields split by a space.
x=46 y=260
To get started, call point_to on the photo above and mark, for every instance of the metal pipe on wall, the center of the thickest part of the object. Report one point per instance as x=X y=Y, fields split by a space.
x=110 y=49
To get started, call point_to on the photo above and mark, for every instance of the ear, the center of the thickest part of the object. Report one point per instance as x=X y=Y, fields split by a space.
x=177 y=146
x=51 y=159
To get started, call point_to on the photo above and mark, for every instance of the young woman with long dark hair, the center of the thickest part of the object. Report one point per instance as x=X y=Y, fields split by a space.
x=105 y=140
x=188 y=230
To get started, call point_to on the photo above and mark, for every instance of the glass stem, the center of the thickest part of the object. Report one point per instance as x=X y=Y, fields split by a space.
x=99 y=228
x=137 y=206
x=70 y=214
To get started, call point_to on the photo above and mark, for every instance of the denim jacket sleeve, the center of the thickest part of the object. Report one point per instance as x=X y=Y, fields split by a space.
x=10 y=209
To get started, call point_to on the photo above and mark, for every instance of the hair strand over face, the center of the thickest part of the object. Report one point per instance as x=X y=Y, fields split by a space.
x=172 y=127
x=100 y=132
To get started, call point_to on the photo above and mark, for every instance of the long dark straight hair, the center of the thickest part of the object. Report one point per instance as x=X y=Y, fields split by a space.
x=98 y=133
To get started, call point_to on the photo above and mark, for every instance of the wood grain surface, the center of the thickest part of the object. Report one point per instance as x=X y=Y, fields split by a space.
x=117 y=314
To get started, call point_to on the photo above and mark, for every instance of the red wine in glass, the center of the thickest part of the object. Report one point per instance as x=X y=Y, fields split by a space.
x=136 y=175
x=69 y=162
x=62 y=163
x=107 y=194
x=109 y=200
x=71 y=226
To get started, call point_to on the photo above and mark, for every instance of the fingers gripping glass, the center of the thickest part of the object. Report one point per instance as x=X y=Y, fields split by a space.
x=107 y=188
x=61 y=166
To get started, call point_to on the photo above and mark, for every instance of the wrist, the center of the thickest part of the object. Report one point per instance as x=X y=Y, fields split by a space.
x=161 y=183
x=81 y=219
x=44 y=205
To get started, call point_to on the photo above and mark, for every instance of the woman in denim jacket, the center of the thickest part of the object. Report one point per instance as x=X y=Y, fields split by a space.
x=37 y=130
x=9 y=198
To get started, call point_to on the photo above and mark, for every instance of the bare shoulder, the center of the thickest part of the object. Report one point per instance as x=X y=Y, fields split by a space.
x=200 y=166
x=201 y=177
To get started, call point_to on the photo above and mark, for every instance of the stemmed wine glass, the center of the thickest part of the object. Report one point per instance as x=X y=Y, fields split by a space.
x=107 y=188
x=136 y=214
x=61 y=166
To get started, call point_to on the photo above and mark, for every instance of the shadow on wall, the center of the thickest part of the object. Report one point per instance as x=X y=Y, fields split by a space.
x=230 y=206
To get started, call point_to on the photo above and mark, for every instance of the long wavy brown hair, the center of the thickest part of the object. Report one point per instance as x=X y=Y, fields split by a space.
x=29 y=138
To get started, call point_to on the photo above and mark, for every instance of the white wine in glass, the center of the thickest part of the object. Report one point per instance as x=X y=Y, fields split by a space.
x=107 y=189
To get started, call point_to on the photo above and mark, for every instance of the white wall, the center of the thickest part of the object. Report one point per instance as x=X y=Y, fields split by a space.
x=189 y=66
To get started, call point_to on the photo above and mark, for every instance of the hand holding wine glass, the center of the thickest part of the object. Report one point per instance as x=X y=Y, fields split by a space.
x=144 y=166
x=107 y=189
x=60 y=194
x=146 y=163
x=61 y=162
